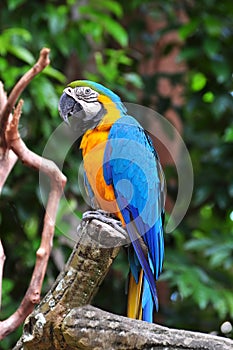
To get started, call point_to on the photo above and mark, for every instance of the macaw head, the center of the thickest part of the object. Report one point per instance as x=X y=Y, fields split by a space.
x=87 y=102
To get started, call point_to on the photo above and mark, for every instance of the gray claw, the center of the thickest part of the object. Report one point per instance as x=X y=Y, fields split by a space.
x=105 y=217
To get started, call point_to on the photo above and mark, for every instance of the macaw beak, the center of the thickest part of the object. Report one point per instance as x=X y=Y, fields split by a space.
x=68 y=107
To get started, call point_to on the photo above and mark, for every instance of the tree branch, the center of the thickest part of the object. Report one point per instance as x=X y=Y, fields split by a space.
x=6 y=163
x=64 y=321
x=57 y=180
x=2 y=260
x=76 y=285
x=13 y=142
x=91 y=328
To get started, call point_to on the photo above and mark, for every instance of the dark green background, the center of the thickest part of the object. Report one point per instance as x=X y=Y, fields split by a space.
x=98 y=41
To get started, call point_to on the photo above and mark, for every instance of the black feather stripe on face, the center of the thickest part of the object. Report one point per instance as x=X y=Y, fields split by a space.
x=86 y=94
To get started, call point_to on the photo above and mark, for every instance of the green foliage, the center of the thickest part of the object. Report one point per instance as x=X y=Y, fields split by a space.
x=96 y=19
x=203 y=273
x=198 y=256
x=110 y=64
x=108 y=41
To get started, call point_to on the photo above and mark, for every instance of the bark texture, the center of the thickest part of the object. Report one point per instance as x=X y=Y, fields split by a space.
x=90 y=328
x=97 y=246
x=64 y=321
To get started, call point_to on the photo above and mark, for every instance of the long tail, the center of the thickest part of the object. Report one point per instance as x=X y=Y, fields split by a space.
x=140 y=300
x=134 y=307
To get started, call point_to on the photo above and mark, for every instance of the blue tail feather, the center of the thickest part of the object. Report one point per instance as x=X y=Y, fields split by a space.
x=143 y=262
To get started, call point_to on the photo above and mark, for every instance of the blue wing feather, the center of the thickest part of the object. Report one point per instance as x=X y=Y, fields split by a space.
x=130 y=165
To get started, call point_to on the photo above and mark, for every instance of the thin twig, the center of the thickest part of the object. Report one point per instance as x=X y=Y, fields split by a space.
x=3 y=97
x=42 y=62
x=6 y=163
x=2 y=260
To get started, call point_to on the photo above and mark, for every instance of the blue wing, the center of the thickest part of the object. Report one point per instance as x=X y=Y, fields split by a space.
x=131 y=165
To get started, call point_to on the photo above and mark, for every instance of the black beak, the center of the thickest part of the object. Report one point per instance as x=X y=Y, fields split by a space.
x=68 y=107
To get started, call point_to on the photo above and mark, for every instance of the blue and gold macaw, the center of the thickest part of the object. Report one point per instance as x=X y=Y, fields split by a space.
x=122 y=176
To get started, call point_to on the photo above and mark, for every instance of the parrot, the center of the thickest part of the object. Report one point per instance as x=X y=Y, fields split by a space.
x=123 y=176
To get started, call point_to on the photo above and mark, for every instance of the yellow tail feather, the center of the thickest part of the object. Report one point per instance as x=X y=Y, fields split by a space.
x=134 y=308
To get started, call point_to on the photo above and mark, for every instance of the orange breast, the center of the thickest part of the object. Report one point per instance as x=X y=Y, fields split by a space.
x=93 y=145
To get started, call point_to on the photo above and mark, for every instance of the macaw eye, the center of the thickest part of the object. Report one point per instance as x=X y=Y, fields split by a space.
x=87 y=91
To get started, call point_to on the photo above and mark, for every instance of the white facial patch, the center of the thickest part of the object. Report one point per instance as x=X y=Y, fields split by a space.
x=91 y=109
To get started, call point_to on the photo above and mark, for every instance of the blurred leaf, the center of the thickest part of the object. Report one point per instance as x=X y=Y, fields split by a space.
x=54 y=73
x=202 y=295
x=188 y=29
x=45 y=96
x=228 y=135
x=7 y=286
x=102 y=22
x=228 y=296
x=113 y=6
x=211 y=46
x=110 y=5
x=23 y=33
x=188 y=53
x=213 y=25
x=134 y=79
x=13 y=4
x=208 y=97
x=102 y=6
x=218 y=257
x=31 y=227
x=220 y=305
x=58 y=19
x=92 y=27
x=22 y=54
x=184 y=284
x=116 y=30
x=206 y=211
x=198 y=81
x=198 y=244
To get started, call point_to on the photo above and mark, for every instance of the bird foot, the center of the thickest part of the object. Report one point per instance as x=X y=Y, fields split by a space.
x=106 y=217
